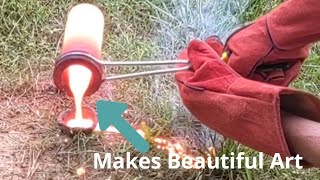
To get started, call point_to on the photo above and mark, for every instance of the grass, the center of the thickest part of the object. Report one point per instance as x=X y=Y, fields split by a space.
x=258 y=8
x=32 y=146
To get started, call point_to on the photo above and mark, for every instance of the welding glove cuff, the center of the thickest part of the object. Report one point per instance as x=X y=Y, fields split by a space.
x=241 y=109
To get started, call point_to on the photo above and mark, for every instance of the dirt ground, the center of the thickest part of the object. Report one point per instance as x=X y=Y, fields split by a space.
x=32 y=146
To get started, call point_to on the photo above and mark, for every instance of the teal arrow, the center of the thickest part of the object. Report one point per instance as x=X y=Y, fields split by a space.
x=109 y=113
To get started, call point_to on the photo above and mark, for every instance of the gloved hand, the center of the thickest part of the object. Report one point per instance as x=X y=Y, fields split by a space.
x=241 y=109
x=273 y=48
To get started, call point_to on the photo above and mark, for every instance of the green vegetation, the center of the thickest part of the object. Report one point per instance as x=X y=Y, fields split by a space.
x=32 y=146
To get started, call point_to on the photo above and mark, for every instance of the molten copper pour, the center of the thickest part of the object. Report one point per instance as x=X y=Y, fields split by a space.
x=79 y=70
x=82 y=45
x=60 y=74
x=87 y=125
x=79 y=74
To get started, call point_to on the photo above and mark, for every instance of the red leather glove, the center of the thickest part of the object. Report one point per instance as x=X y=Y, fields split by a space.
x=273 y=48
x=244 y=110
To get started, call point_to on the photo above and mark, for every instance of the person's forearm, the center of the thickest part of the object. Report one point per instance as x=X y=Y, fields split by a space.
x=303 y=137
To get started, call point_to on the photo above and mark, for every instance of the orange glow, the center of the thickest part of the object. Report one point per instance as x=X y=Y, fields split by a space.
x=84 y=30
x=81 y=171
x=176 y=147
x=170 y=145
x=79 y=80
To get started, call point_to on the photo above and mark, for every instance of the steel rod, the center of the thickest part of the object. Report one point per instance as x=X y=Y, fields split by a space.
x=142 y=63
x=138 y=63
x=147 y=73
x=130 y=63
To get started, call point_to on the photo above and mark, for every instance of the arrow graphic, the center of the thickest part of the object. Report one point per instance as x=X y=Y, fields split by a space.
x=109 y=113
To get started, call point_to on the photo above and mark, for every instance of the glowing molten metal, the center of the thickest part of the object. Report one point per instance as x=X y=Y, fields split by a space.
x=79 y=80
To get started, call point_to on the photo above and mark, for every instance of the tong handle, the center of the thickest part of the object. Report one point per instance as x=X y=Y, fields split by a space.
x=142 y=63
x=148 y=73
x=145 y=63
x=136 y=63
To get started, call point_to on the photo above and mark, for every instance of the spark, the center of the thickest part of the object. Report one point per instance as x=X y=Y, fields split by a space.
x=81 y=171
x=170 y=146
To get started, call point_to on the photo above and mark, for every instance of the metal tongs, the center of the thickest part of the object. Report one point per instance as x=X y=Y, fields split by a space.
x=140 y=63
x=145 y=63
